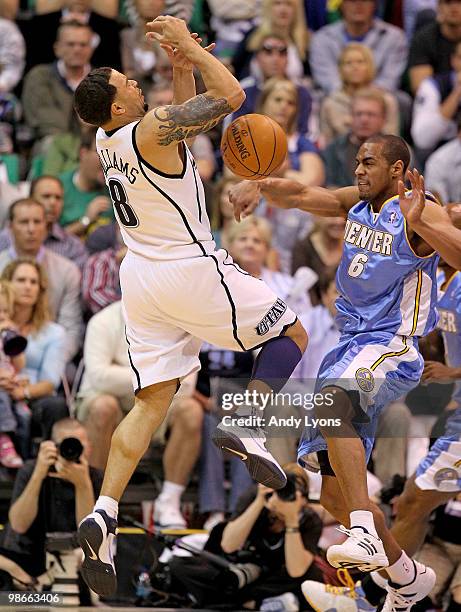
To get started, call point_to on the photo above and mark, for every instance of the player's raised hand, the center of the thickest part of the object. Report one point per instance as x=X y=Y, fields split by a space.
x=244 y=197
x=168 y=30
x=178 y=59
x=412 y=204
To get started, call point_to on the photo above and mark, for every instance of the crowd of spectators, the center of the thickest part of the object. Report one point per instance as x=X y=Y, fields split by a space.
x=332 y=74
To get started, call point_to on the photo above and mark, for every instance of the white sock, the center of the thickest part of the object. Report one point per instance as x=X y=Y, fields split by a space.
x=364 y=518
x=171 y=492
x=402 y=571
x=108 y=504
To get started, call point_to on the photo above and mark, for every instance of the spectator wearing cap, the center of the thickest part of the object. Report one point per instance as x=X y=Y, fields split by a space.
x=359 y=24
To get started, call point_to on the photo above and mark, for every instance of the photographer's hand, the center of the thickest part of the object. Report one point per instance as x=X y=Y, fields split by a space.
x=288 y=511
x=79 y=475
x=76 y=473
x=47 y=456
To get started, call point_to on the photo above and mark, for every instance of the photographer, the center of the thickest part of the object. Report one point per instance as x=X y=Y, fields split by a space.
x=51 y=494
x=271 y=542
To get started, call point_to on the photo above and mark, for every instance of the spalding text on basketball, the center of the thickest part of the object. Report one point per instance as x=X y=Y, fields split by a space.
x=244 y=153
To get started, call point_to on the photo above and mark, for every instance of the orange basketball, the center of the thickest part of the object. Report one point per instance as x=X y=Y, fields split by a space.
x=253 y=146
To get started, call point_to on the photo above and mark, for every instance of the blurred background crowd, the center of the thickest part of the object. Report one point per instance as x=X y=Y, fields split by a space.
x=332 y=73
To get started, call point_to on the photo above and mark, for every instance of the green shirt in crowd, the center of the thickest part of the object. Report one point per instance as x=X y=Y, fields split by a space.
x=76 y=201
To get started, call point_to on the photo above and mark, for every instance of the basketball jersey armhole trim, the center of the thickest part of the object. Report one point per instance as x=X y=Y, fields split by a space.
x=411 y=248
x=150 y=166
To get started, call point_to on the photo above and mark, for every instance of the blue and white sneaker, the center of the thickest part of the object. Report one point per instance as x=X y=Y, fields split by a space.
x=96 y=534
x=327 y=598
x=402 y=598
x=361 y=550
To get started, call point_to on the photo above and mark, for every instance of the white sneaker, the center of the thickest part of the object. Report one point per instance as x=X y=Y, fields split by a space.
x=402 y=598
x=323 y=597
x=361 y=550
x=248 y=444
x=167 y=515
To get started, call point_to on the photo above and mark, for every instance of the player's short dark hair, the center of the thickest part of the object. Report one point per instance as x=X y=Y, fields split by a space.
x=394 y=149
x=39 y=179
x=23 y=202
x=94 y=97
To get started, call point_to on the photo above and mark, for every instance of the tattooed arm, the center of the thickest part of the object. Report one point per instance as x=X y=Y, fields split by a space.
x=199 y=114
x=168 y=125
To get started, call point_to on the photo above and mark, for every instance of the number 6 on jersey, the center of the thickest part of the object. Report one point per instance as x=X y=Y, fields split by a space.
x=357 y=265
x=119 y=198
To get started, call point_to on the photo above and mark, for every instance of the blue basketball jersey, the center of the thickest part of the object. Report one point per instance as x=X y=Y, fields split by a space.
x=383 y=284
x=449 y=307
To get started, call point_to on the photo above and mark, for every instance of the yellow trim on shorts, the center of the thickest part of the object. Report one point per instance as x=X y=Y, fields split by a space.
x=417 y=302
x=391 y=354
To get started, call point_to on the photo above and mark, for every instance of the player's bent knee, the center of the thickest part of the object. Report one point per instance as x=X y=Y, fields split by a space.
x=338 y=406
x=299 y=335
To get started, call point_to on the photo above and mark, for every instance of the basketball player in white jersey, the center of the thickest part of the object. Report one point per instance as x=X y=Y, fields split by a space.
x=177 y=290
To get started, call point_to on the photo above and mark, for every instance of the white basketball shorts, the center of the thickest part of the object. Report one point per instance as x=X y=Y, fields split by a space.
x=170 y=307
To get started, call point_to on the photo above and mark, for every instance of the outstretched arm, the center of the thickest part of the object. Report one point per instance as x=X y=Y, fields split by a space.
x=168 y=125
x=430 y=221
x=287 y=193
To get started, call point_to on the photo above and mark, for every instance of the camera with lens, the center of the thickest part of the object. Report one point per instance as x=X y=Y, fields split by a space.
x=71 y=449
x=13 y=344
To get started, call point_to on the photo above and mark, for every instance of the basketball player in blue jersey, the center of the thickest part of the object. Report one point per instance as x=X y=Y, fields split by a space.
x=388 y=292
x=438 y=477
x=177 y=290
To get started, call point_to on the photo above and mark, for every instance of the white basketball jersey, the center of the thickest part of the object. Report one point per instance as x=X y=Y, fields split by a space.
x=161 y=216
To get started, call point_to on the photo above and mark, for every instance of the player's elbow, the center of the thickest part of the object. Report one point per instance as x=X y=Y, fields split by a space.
x=236 y=98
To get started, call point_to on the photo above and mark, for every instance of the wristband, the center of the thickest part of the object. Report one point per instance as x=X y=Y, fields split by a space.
x=85 y=221
x=291 y=529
